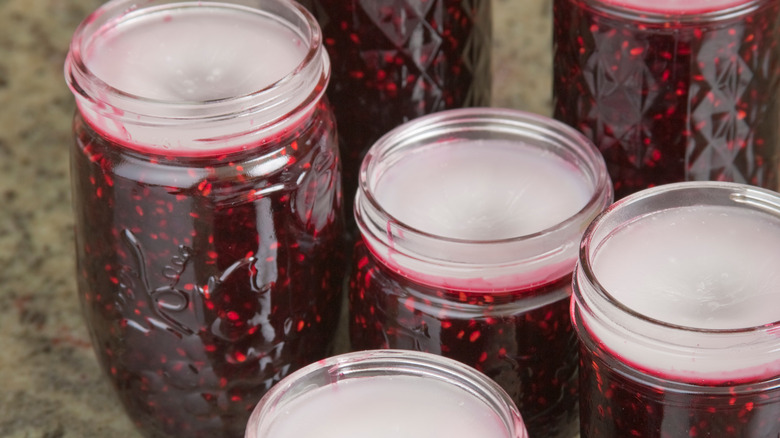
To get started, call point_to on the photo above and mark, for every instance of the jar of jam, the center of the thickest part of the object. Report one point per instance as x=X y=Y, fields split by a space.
x=394 y=61
x=383 y=394
x=206 y=188
x=470 y=222
x=672 y=91
x=676 y=306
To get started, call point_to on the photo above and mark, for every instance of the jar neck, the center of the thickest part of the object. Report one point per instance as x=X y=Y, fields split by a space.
x=505 y=264
x=201 y=126
x=711 y=356
x=679 y=12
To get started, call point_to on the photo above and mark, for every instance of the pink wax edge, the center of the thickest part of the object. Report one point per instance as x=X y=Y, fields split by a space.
x=736 y=377
x=674 y=7
x=505 y=284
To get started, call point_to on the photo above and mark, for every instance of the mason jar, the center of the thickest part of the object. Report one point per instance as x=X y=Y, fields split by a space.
x=676 y=306
x=672 y=91
x=470 y=221
x=207 y=199
x=386 y=393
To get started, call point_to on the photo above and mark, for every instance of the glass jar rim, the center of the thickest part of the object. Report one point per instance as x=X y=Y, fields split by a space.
x=262 y=109
x=662 y=348
x=660 y=17
x=388 y=362
x=740 y=194
x=379 y=227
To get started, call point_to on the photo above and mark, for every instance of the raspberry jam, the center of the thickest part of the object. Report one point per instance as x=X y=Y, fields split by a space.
x=675 y=302
x=470 y=221
x=395 y=61
x=672 y=91
x=209 y=227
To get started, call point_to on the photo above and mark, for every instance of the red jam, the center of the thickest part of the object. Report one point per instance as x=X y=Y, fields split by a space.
x=203 y=280
x=394 y=61
x=617 y=404
x=672 y=98
x=523 y=339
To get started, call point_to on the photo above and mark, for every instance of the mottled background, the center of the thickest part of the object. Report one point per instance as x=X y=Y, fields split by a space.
x=50 y=384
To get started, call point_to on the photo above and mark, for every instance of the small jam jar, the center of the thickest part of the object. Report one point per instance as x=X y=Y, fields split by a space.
x=206 y=189
x=677 y=306
x=672 y=90
x=386 y=394
x=470 y=222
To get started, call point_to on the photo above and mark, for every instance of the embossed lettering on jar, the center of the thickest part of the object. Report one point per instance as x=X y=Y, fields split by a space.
x=207 y=196
x=672 y=91
x=470 y=221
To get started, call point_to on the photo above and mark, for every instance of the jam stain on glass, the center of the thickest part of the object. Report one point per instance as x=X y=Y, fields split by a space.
x=470 y=221
x=393 y=61
x=209 y=226
x=675 y=302
x=672 y=92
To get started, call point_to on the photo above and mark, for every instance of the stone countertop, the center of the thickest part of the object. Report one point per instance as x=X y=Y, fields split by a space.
x=50 y=383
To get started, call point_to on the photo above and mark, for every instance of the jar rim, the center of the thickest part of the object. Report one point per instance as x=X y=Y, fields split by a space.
x=660 y=17
x=292 y=94
x=662 y=348
x=379 y=227
x=740 y=194
x=388 y=362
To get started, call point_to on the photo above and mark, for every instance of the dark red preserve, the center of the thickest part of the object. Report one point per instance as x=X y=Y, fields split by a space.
x=393 y=61
x=209 y=232
x=449 y=262
x=672 y=93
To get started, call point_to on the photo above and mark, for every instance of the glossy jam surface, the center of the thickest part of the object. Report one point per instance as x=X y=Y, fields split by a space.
x=523 y=340
x=674 y=98
x=204 y=281
x=393 y=61
x=620 y=403
x=387 y=407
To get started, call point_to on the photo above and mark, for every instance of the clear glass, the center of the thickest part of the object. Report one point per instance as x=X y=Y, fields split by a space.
x=383 y=363
x=707 y=395
x=209 y=233
x=500 y=306
x=396 y=61
x=671 y=96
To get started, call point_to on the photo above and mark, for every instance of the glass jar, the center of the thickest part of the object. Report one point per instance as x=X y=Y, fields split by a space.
x=672 y=91
x=676 y=306
x=470 y=221
x=395 y=61
x=386 y=393
x=206 y=190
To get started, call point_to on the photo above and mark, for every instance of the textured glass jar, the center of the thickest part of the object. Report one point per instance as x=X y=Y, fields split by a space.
x=209 y=224
x=386 y=393
x=395 y=61
x=676 y=305
x=497 y=302
x=672 y=91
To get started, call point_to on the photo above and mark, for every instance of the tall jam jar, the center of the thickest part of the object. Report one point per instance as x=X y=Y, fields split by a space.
x=672 y=91
x=206 y=188
x=470 y=222
x=394 y=61
x=678 y=311
x=386 y=394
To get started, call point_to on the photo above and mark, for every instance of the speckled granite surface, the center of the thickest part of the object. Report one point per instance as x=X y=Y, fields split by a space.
x=50 y=384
